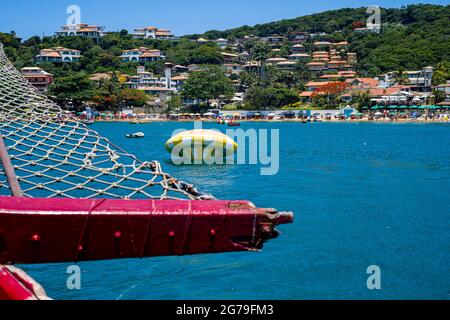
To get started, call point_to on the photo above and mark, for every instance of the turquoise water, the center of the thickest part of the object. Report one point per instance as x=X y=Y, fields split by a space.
x=363 y=194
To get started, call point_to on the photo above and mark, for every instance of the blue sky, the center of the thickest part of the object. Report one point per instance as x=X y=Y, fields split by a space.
x=28 y=17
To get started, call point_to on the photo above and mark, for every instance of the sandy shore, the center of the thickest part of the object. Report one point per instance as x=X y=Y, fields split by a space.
x=364 y=120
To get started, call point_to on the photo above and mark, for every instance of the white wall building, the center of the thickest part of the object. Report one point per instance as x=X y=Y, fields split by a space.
x=142 y=54
x=222 y=43
x=152 y=84
x=81 y=29
x=59 y=54
x=152 y=33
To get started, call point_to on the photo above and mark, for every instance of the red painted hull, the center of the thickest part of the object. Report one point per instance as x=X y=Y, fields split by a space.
x=66 y=230
x=17 y=285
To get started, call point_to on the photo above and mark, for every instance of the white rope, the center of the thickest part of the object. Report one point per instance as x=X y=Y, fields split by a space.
x=54 y=155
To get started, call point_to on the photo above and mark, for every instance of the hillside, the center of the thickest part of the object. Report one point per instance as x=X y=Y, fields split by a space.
x=412 y=37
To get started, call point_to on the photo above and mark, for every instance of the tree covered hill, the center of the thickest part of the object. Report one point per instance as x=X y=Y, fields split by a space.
x=412 y=37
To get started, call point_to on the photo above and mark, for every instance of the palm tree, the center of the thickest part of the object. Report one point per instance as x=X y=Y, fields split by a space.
x=402 y=77
x=260 y=53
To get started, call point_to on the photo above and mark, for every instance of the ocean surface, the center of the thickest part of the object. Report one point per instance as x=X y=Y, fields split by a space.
x=363 y=194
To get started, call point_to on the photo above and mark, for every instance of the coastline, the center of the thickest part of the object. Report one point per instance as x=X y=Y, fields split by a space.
x=149 y=121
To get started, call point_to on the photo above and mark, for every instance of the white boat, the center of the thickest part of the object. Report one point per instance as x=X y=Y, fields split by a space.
x=135 y=135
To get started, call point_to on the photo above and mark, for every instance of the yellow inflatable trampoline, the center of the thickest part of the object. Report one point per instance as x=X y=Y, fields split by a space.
x=201 y=146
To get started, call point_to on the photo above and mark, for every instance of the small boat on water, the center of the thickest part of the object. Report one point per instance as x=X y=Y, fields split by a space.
x=135 y=135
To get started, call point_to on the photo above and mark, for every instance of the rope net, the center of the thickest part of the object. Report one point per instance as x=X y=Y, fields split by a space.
x=54 y=155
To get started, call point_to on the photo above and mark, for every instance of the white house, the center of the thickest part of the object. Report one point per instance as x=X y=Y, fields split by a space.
x=232 y=68
x=152 y=33
x=152 y=84
x=59 y=55
x=81 y=29
x=222 y=43
x=420 y=79
x=141 y=54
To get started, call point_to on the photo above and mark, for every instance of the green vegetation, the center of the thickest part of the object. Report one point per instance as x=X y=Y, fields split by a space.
x=174 y=103
x=441 y=73
x=73 y=88
x=412 y=37
x=361 y=100
x=108 y=94
x=207 y=84
x=269 y=98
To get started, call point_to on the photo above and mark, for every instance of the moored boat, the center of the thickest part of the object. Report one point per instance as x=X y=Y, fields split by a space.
x=135 y=135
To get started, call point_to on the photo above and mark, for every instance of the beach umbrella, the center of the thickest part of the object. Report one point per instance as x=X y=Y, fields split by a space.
x=208 y=114
x=393 y=107
x=271 y=114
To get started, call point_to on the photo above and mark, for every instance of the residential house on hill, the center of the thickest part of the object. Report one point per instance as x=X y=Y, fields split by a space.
x=58 y=55
x=274 y=40
x=298 y=37
x=230 y=57
x=221 y=43
x=81 y=29
x=152 y=33
x=298 y=48
x=151 y=84
x=37 y=77
x=142 y=55
x=418 y=80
